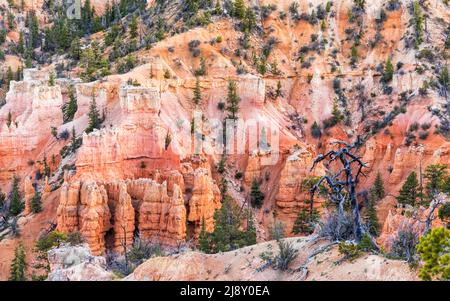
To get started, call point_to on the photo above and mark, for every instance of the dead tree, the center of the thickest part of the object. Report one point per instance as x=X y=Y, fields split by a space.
x=437 y=200
x=124 y=245
x=343 y=183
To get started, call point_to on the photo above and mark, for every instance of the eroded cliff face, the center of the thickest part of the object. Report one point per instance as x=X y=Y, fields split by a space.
x=117 y=210
x=32 y=108
x=136 y=139
x=129 y=180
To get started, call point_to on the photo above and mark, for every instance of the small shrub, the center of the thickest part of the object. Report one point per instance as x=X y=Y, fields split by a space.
x=64 y=135
x=167 y=74
x=350 y=250
x=75 y=238
x=425 y=126
x=423 y=135
x=337 y=227
x=315 y=130
x=403 y=243
x=286 y=255
x=366 y=244
x=50 y=240
x=414 y=127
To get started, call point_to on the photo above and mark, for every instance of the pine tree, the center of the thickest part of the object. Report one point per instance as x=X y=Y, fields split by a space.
x=192 y=126
x=19 y=73
x=388 y=71
x=437 y=179
x=34 y=31
x=47 y=171
x=323 y=25
x=16 y=205
x=9 y=76
x=278 y=91
x=354 y=54
x=444 y=77
x=434 y=251
x=371 y=218
x=239 y=9
x=94 y=116
x=36 y=203
x=378 y=187
x=28 y=62
x=249 y=21
x=21 y=44
x=51 y=79
x=87 y=15
x=233 y=101
x=305 y=221
x=63 y=35
x=337 y=115
x=223 y=186
x=75 y=49
x=221 y=165
x=418 y=22
x=202 y=70
x=256 y=196
x=227 y=234
x=409 y=191
x=197 y=92
x=315 y=130
x=74 y=142
x=18 y=265
x=250 y=232
x=71 y=108
x=218 y=8
x=133 y=28
x=203 y=239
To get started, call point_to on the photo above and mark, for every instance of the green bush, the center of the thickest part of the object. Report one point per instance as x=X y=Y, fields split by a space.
x=50 y=240
x=434 y=251
x=256 y=196
x=350 y=250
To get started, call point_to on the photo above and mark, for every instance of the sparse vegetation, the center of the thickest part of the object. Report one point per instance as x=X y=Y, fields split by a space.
x=256 y=196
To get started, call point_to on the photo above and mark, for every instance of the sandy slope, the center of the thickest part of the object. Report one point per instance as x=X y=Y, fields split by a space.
x=245 y=264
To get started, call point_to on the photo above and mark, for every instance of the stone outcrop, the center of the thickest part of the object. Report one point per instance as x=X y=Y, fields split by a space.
x=94 y=215
x=409 y=159
x=138 y=139
x=34 y=107
x=85 y=93
x=123 y=220
x=46 y=189
x=28 y=195
x=204 y=201
x=162 y=218
x=68 y=207
x=84 y=207
x=292 y=193
x=76 y=263
x=158 y=211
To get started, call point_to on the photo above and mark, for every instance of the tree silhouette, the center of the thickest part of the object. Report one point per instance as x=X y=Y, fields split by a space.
x=343 y=182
